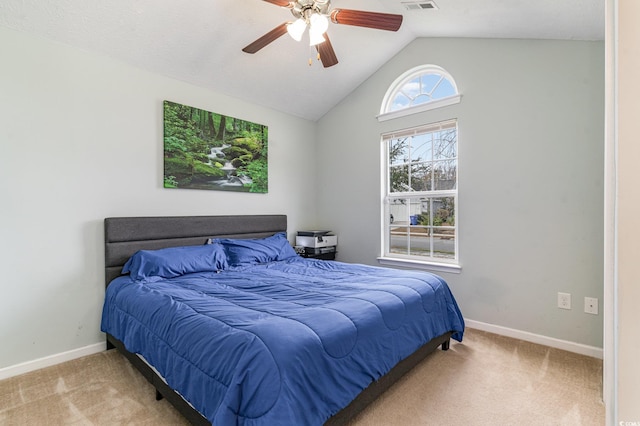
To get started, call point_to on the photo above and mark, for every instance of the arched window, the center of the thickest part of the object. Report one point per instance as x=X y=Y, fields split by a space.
x=419 y=89
x=419 y=202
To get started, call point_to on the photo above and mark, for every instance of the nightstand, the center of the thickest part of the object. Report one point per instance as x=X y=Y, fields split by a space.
x=322 y=256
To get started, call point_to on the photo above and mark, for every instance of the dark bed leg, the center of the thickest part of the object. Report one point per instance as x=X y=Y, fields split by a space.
x=158 y=395
x=445 y=345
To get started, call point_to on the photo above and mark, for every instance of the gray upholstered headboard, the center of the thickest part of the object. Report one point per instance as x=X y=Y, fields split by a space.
x=123 y=236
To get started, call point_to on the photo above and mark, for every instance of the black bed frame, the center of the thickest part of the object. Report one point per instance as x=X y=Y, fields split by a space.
x=126 y=235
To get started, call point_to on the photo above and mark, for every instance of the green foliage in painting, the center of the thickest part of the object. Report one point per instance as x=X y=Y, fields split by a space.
x=170 y=182
x=258 y=173
x=204 y=150
x=258 y=170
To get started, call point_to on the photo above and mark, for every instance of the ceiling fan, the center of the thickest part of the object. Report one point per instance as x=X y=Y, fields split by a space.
x=316 y=14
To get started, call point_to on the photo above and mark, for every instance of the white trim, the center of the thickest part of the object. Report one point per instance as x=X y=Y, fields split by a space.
x=438 y=103
x=416 y=264
x=48 y=361
x=539 y=339
x=423 y=128
x=610 y=308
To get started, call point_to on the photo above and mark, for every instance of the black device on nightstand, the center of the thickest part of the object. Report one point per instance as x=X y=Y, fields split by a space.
x=317 y=244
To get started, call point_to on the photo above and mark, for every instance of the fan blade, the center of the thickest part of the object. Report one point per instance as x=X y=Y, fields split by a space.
x=326 y=52
x=272 y=35
x=281 y=3
x=360 y=18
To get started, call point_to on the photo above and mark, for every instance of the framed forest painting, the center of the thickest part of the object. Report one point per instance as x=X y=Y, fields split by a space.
x=205 y=150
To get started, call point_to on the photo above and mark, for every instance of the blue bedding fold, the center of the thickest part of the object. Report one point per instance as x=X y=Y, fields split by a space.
x=284 y=343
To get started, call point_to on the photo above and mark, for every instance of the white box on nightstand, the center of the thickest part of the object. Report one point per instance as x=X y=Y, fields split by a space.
x=316 y=239
x=317 y=242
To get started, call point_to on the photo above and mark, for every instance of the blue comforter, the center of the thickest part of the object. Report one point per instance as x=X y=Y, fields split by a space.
x=284 y=343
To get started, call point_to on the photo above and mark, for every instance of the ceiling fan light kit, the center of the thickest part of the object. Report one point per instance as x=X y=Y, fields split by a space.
x=316 y=14
x=315 y=38
x=317 y=23
x=296 y=29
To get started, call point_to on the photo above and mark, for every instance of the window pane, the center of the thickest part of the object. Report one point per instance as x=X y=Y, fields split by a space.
x=419 y=241
x=444 y=89
x=398 y=242
x=399 y=211
x=398 y=151
x=421 y=99
x=412 y=88
x=421 y=146
x=429 y=81
x=444 y=243
x=444 y=175
x=443 y=211
x=400 y=101
x=444 y=144
x=421 y=176
x=398 y=178
x=407 y=233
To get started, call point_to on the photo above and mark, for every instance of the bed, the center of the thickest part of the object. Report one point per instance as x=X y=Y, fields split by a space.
x=263 y=336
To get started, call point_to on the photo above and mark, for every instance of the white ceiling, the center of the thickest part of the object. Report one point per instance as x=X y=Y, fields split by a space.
x=200 y=41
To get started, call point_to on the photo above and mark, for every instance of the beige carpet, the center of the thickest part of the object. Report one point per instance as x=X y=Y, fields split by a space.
x=486 y=380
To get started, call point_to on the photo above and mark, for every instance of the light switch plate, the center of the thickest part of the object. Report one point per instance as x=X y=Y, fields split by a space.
x=591 y=305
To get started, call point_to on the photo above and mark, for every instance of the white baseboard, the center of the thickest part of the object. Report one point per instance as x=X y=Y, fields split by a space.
x=48 y=361
x=566 y=345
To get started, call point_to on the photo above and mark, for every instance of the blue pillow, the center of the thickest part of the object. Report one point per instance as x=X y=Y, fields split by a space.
x=262 y=250
x=175 y=261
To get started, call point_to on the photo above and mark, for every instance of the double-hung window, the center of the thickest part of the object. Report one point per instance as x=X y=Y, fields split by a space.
x=420 y=193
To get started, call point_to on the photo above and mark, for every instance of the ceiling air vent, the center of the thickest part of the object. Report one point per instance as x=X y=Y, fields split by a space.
x=419 y=5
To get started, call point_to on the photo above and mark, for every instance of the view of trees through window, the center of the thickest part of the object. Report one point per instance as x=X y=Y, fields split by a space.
x=422 y=192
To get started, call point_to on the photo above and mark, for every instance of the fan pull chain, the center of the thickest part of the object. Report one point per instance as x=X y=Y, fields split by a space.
x=311 y=53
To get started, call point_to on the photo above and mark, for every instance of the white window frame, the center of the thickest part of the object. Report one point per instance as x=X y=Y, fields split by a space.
x=396 y=259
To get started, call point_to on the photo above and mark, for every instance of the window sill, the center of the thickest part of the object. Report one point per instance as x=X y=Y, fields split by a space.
x=416 y=264
x=440 y=103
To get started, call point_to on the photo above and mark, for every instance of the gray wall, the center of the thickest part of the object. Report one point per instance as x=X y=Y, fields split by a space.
x=81 y=139
x=531 y=132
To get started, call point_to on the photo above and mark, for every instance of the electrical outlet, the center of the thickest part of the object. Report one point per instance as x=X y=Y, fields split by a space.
x=591 y=305
x=564 y=300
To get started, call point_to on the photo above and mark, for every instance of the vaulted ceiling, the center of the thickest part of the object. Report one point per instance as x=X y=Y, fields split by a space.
x=200 y=41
